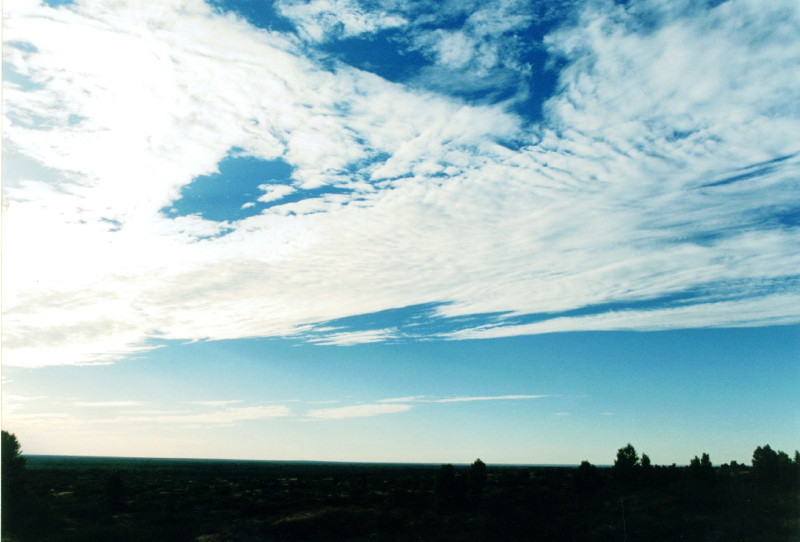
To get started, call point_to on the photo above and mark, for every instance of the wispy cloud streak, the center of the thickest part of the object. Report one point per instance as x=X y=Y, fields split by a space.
x=216 y=403
x=403 y=404
x=489 y=398
x=426 y=399
x=107 y=404
x=357 y=411
x=218 y=417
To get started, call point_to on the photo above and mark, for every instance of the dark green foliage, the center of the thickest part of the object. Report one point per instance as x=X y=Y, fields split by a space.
x=477 y=478
x=587 y=479
x=702 y=471
x=627 y=458
x=775 y=469
x=115 y=491
x=13 y=481
x=625 y=466
x=449 y=489
x=69 y=499
x=13 y=464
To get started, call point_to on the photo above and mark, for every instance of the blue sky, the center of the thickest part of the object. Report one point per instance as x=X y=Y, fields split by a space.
x=401 y=231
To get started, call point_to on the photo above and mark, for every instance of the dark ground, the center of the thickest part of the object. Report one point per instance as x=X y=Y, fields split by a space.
x=109 y=499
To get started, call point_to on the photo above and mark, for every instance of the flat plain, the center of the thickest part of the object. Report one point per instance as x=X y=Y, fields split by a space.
x=133 y=499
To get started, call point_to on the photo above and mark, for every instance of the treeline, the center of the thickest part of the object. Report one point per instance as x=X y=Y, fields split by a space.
x=83 y=500
x=632 y=500
x=771 y=469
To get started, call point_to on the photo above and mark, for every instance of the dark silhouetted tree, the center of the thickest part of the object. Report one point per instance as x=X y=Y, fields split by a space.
x=477 y=478
x=13 y=464
x=765 y=464
x=701 y=470
x=796 y=477
x=627 y=458
x=626 y=464
x=587 y=479
x=13 y=480
x=647 y=471
x=771 y=468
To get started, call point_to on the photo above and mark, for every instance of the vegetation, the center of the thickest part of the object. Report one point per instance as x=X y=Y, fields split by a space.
x=13 y=481
x=62 y=499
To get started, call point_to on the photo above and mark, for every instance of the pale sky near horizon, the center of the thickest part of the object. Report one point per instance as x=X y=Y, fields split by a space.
x=392 y=230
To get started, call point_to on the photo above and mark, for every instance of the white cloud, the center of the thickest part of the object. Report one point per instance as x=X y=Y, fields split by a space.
x=770 y=310
x=467 y=399
x=113 y=404
x=489 y=398
x=453 y=49
x=154 y=412
x=409 y=399
x=399 y=404
x=22 y=398
x=486 y=52
x=357 y=411
x=103 y=415
x=274 y=192
x=356 y=337
x=320 y=20
x=40 y=416
x=224 y=416
x=14 y=403
x=217 y=403
x=607 y=201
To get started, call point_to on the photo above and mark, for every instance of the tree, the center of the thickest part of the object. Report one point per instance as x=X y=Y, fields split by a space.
x=627 y=458
x=13 y=479
x=647 y=472
x=13 y=464
x=771 y=468
x=702 y=470
x=796 y=478
x=477 y=477
x=587 y=479
x=626 y=464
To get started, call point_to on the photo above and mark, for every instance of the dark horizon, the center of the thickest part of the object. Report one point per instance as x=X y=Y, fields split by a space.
x=308 y=461
x=80 y=498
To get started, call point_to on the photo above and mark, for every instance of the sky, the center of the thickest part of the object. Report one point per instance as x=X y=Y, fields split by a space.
x=404 y=231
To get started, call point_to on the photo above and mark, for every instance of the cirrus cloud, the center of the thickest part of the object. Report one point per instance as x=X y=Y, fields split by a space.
x=357 y=411
x=662 y=181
